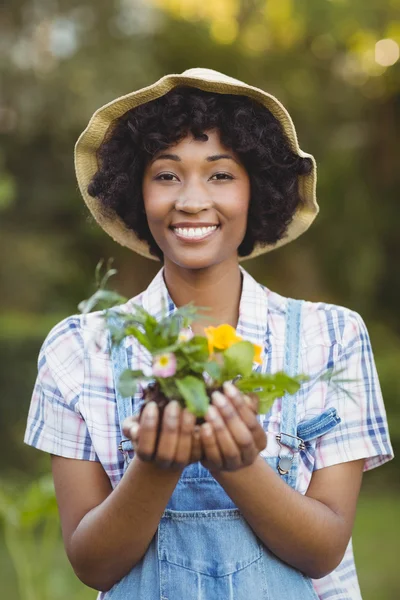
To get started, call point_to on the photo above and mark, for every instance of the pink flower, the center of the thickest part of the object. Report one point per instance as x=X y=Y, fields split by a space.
x=164 y=365
x=185 y=334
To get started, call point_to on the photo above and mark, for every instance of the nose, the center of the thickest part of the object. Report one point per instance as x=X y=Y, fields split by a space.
x=193 y=198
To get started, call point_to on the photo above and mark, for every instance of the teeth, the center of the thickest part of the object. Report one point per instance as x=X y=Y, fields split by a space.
x=192 y=232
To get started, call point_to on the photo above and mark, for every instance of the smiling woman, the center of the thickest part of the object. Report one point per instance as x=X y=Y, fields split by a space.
x=238 y=144
x=196 y=202
x=200 y=171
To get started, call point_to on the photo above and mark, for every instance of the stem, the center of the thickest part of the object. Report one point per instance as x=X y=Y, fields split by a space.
x=16 y=549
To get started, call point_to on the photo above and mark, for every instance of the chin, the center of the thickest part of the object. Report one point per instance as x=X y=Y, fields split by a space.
x=196 y=262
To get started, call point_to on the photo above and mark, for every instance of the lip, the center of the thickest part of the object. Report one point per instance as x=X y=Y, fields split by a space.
x=192 y=225
x=189 y=240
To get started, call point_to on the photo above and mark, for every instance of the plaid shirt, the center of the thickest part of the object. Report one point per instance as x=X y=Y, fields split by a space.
x=73 y=410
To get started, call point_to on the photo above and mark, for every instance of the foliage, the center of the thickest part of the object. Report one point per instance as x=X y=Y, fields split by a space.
x=189 y=367
x=378 y=516
x=31 y=532
x=59 y=61
x=62 y=60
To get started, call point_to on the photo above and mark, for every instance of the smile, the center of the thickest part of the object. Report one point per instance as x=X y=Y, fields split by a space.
x=194 y=233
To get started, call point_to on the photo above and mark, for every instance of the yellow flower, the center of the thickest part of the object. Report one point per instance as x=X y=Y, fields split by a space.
x=221 y=337
x=257 y=354
x=224 y=336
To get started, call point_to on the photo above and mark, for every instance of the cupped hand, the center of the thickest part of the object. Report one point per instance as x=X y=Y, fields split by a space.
x=232 y=437
x=178 y=443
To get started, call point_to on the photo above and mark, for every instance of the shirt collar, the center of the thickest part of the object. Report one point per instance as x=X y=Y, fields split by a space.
x=156 y=299
x=253 y=307
x=253 y=310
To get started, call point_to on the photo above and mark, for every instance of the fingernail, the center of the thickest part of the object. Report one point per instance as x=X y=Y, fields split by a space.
x=188 y=417
x=230 y=389
x=219 y=399
x=234 y=394
x=173 y=408
x=248 y=400
x=206 y=427
x=212 y=412
x=151 y=409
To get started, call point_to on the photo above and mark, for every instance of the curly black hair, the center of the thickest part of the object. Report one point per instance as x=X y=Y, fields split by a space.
x=245 y=126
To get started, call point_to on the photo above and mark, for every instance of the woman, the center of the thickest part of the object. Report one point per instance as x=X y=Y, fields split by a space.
x=200 y=170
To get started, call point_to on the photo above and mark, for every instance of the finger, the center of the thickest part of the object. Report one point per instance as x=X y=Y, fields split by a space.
x=148 y=432
x=168 y=441
x=230 y=452
x=184 y=447
x=238 y=429
x=197 y=450
x=239 y=400
x=127 y=424
x=212 y=452
x=247 y=414
x=253 y=401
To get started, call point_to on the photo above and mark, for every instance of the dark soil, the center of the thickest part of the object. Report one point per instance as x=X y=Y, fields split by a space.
x=153 y=393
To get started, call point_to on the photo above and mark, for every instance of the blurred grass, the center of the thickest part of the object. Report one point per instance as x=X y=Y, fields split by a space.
x=376 y=540
x=376 y=544
x=62 y=583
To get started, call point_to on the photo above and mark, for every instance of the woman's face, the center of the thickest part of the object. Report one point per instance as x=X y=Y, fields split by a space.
x=196 y=196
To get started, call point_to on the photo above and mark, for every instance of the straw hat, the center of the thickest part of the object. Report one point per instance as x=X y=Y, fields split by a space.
x=86 y=164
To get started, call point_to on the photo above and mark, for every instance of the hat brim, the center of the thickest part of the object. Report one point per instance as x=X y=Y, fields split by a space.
x=90 y=140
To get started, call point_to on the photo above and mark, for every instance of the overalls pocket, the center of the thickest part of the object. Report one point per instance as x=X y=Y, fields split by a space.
x=209 y=554
x=318 y=425
x=312 y=430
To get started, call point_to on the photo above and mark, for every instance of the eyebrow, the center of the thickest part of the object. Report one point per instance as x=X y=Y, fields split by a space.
x=168 y=157
x=177 y=158
x=219 y=157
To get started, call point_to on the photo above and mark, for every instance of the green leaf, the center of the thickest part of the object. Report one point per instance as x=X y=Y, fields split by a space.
x=269 y=387
x=101 y=300
x=117 y=334
x=196 y=349
x=329 y=373
x=169 y=388
x=214 y=370
x=287 y=383
x=101 y=281
x=127 y=384
x=140 y=336
x=194 y=393
x=238 y=360
x=197 y=367
x=265 y=405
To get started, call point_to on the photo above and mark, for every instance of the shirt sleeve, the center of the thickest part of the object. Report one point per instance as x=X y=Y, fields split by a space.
x=55 y=424
x=363 y=430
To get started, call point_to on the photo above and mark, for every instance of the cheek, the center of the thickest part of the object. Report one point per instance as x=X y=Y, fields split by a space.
x=237 y=205
x=156 y=205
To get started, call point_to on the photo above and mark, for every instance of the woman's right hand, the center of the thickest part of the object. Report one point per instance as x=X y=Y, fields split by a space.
x=179 y=442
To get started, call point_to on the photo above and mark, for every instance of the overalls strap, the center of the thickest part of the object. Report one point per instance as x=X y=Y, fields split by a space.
x=287 y=439
x=119 y=358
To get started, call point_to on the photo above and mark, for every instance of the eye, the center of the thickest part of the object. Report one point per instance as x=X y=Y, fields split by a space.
x=221 y=177
x=165 y=177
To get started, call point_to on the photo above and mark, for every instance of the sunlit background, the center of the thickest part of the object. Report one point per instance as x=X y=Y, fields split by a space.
x=335 y=65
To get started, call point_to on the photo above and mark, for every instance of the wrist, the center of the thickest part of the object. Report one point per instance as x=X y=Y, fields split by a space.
x=151 y=468
x=226 y=474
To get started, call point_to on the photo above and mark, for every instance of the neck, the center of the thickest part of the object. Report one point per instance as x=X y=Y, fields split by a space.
x=218 y=288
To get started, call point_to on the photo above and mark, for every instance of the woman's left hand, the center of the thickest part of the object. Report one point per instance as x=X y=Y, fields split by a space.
x=231 y=437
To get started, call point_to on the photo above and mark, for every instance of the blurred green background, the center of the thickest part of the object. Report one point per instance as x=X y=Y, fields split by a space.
x=334 y=64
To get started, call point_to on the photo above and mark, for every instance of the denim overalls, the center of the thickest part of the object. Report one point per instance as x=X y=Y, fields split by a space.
x=203 y=548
